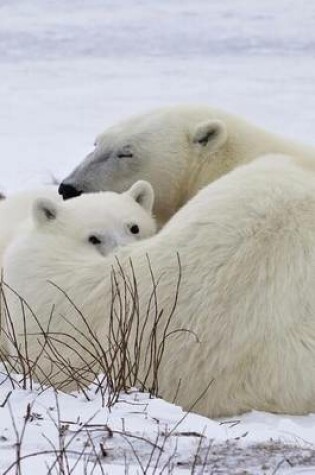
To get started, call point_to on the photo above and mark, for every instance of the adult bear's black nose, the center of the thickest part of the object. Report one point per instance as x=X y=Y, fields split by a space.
x=68 y=191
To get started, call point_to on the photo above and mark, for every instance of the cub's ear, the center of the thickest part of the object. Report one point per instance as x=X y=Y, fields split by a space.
x=44 y=211
x=142 y=192
x=211 y=134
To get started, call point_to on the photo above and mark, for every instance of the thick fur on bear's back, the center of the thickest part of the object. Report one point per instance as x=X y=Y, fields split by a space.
x=247 y=250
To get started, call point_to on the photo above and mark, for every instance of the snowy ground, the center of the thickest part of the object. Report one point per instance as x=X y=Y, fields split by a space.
x=69 y=69
x=144 y=435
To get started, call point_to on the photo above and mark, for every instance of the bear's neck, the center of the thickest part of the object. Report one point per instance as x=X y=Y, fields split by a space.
x=243 y=146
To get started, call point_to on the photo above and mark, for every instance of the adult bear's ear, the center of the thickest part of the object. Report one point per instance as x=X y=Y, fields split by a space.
x=44 y=211
x=142 y=192
x=211 y=134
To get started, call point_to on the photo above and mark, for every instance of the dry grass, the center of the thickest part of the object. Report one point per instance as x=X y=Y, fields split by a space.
x=132 y=356
x=154 y=457
x=63 y=459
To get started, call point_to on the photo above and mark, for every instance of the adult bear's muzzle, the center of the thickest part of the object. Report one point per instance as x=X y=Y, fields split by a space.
x=68 y=191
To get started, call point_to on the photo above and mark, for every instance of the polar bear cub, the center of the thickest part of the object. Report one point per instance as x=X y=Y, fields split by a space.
x=115 y=219
x=96 y=223
x=102 y=221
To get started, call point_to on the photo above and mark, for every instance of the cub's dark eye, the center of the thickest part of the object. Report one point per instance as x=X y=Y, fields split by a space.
x=134 y=229
x=94 y=240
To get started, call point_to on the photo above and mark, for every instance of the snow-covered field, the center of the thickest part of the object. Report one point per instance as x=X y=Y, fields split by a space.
x=68 y=69
x=143 y=435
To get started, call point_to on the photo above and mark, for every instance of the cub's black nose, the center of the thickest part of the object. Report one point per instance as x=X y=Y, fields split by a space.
x=68 y=191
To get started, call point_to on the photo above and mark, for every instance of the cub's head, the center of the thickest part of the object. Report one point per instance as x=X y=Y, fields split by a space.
x=96 y=222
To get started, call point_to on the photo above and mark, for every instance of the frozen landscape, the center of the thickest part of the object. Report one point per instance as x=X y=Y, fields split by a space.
x=70 y=69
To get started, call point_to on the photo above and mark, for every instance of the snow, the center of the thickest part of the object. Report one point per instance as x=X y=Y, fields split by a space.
x=70 y=69
x=139 y=429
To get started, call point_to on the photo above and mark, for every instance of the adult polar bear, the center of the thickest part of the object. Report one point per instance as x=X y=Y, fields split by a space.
x=247 y=250
x=178 y=150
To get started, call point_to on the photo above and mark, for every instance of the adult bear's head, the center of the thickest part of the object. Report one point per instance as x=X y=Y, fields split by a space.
x=171 y=148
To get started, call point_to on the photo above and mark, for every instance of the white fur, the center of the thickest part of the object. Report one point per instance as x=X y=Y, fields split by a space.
x=114 y=217
x=247 y=250
x=178 y=150
x=16 y=208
